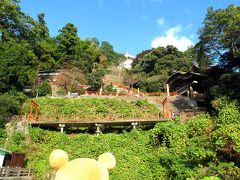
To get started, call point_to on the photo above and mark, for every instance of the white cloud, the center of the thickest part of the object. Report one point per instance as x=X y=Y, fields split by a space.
x=172 y=37
x=161 y=21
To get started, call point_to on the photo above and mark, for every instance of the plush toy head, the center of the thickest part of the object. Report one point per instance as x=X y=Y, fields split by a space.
x=84 y=168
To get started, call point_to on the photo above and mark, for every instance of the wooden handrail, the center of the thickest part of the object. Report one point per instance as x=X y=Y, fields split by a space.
x=36 y=115
x=165 y=108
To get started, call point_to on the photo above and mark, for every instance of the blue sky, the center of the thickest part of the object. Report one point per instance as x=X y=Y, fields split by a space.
x=129 y=25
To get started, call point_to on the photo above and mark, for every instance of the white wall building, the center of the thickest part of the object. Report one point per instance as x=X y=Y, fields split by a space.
x=128 y=62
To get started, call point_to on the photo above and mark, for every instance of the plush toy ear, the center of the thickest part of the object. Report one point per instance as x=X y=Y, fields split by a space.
x=57 y=159
x=108 y=159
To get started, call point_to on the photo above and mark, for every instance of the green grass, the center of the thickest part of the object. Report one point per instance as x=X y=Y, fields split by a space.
x=93 y=108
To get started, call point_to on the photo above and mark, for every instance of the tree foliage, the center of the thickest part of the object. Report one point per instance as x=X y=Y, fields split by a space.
x=26 y=48
x=219 y=36
x=200 y=147
x=70 y=79
x=154 y=66
x=67 y=41
x=11 y=103
x=219 y=41
x=112 y=57
x=14 y=23
x=18 y=66
x=44 y=89
x=87 y=55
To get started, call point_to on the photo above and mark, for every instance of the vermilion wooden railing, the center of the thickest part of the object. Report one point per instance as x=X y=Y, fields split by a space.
x=33 y=104
x=165 y=108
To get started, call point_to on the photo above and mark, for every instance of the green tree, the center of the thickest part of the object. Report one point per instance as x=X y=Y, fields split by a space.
x=9 y=106
x=228 y=84
x=14 y=23
x=199 y=58
x=18 y=66
x=219 y=36
x=41 y=30
x=67 y=41
x=95 y=80
x=154 y=66
x=130 y=78
x=220 y=42
x=95 y=41
x=70 y=79
x=45 y=51
x=113 y=58
x=44 y=46
x=107 y=50
x=11 y=103
x=160 y=59
x=87 y=53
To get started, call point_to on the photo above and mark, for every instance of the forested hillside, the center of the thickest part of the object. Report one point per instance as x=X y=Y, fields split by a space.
x=27 y=48
x=152 y=68
x=205 y=147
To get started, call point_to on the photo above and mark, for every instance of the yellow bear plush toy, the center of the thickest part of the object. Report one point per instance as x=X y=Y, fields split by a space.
x=81 y=168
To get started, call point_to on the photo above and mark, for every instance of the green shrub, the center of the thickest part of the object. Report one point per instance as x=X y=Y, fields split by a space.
x=16 y=142
x=224 y=170
x=9 y=105
x=3 y=136
x=109 y=88
x=221 y=102
x=210 y=178
x=169 y=151
x=61 y=92
x=135 y=158
x=228 y=115
x=199 y=125
x=75 y=88
x=169 y=134
x=37 y=135
x=44 y=88
x=19 y=96
x=227 y=142
x=185 y=148
x=142 y=103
